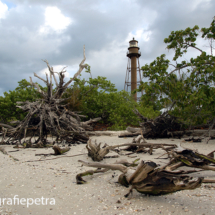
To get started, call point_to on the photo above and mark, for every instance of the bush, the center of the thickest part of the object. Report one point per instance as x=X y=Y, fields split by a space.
x=8 y=109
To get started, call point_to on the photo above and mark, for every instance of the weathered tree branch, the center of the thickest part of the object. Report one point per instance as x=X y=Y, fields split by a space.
x=48 y=116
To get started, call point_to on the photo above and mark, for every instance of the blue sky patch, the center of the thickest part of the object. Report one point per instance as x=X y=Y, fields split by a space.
x=8 y=3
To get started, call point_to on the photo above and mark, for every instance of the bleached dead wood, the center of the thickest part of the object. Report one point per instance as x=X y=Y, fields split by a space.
x=148 y=179
x=97 y=153
x=133 y=130
x=48 y=115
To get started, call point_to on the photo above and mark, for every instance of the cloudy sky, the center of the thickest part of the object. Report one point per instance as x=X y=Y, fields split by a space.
x=56 y=30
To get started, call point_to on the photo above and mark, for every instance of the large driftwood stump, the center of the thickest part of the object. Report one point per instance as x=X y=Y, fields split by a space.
x=48 y=116
x=160 y=127
x=96 y=152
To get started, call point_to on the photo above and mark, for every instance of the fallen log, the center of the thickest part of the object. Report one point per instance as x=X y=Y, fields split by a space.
x=133 y=130
x=208 y=180
x=98 y=133
x=194 y=139
x=126 y=134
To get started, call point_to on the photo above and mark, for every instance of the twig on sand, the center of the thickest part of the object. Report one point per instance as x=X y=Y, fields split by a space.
x=55 y=158
x=5 y=153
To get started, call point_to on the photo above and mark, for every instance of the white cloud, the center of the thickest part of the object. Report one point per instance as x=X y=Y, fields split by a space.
x=70 y=71
x=3 y=10
x=55 y=20
x=56 y=68
x=139 y=35
x=204 y=3
x=108 y=56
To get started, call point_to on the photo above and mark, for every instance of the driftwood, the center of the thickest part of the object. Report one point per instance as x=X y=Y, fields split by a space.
x=99 y=133
x=133 y=130
x=129 y=134
x=199 y=133
x=149 y=178
x=194 y=139
x=124 y=162
x=80 y=180
x=57 y=150
x=166 y=125
x=60 y=151
x=3 y=150
x=6 y=153
x=47 y=116
x=187 y=157
x=160 y=127
x=179 y=133
x=5 y=125
x=145 y=133
x=98 y=153
x=148 y=148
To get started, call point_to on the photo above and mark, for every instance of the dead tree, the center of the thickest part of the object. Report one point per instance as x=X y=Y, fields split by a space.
x=48 y=115
x=162 y=126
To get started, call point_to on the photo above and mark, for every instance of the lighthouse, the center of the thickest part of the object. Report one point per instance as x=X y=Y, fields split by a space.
x=133 y=75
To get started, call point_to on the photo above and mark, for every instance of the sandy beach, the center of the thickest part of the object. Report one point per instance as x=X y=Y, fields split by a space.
x=51 y=184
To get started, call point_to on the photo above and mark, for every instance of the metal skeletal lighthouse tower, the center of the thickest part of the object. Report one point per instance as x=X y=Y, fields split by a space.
x=133 y=74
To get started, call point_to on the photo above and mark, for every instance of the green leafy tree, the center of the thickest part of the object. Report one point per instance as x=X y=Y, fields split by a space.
x=8 y=109
x=98 y=97
x=89 y=96
x=190 y=84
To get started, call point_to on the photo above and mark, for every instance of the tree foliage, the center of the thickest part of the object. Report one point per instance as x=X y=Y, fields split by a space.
x=188 y=84
x=98 y=97
x=24 y=92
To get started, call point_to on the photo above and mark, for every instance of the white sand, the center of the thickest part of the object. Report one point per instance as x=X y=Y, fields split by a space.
x=56 y=179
